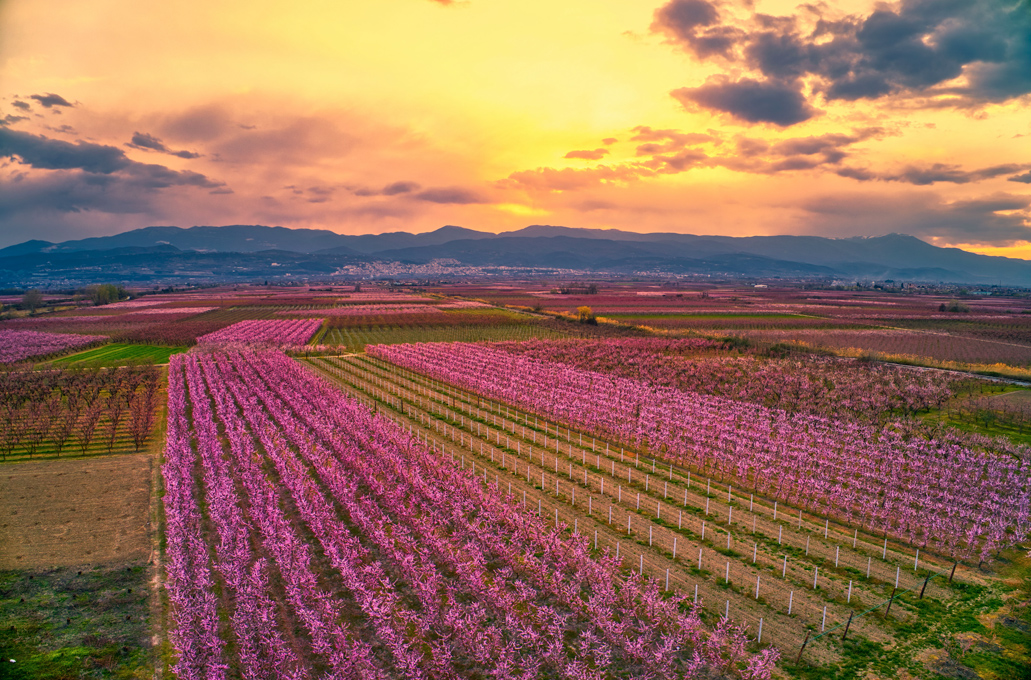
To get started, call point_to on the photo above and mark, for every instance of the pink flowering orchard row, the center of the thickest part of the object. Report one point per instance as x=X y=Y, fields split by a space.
x=816 y=385
x=19 y=345
x=264 y=332
x=957 y=500
x=386 y=560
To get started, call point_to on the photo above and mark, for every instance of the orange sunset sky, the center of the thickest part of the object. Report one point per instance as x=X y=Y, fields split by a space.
x=837 y=118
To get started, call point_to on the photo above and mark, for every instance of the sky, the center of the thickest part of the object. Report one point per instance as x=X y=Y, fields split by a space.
x=840 y=118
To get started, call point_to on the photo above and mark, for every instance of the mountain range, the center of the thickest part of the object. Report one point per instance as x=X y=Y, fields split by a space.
x=254 y=251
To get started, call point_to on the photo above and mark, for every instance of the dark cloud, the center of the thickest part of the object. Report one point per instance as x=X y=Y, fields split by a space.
x=399 y=188
x=695 y=25
x=142 y=140
x=588 y=154
x=68 y=193
x=319 y=194
x=1025 y=178
x=752 y=101
x=11 y=118
x=51 y=100
x=94 y=159
x=915 y=48
x=52 y=154
x=942 y=172
x=450 y=195
x=392 y=189
x=997 y=220
x=24 y=106
x=935 y=173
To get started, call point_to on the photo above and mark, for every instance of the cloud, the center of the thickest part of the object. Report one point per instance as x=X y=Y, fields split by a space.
x=11 y=118
x=752 y=101
x=52 y=154
x=199 y=124
x=573 y=179
x=1001 y=219
x=24 y=106
x=142 y=140
x=941 y=172
x=392 y=189
x=450 y=195
x=747 y=154
x=608 y=141
x=1025 y=178
x=695 y=26
x=962 y=53
x=94 y=159
x=671 y=140
x=51 y=100
x=588 y=155
x=937 y=172
x=399 y=188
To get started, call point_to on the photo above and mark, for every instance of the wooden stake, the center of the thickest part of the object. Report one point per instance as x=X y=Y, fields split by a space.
x=846 y=626
x=798 y=659
x=890 y=601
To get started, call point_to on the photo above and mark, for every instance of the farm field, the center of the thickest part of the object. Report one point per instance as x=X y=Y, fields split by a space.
x=120 y=354
x=391 y=560
x=419 y=485
x=356 y=338
x=77 y=568
x=492 y=437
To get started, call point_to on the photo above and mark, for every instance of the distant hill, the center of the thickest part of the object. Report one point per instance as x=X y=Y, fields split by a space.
x=894 y=256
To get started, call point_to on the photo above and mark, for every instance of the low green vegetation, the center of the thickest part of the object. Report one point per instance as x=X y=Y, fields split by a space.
x=355 y=339
x=982 y=629
x=75 y=622
x=117 y=354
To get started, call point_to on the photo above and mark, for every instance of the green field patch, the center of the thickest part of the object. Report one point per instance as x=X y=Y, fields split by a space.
x=117 y=354
x=75 y=622
x=355 y=339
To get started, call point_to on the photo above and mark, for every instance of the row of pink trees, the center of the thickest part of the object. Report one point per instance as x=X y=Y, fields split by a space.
x=281 y=332
x=19 y=345
x=389 y=561
x=822 y=385
x=953 y=498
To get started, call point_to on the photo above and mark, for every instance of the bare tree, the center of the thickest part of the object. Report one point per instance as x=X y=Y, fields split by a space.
x=32 y=300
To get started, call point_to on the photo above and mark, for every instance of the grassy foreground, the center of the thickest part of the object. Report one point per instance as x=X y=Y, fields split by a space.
x=75 y=622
